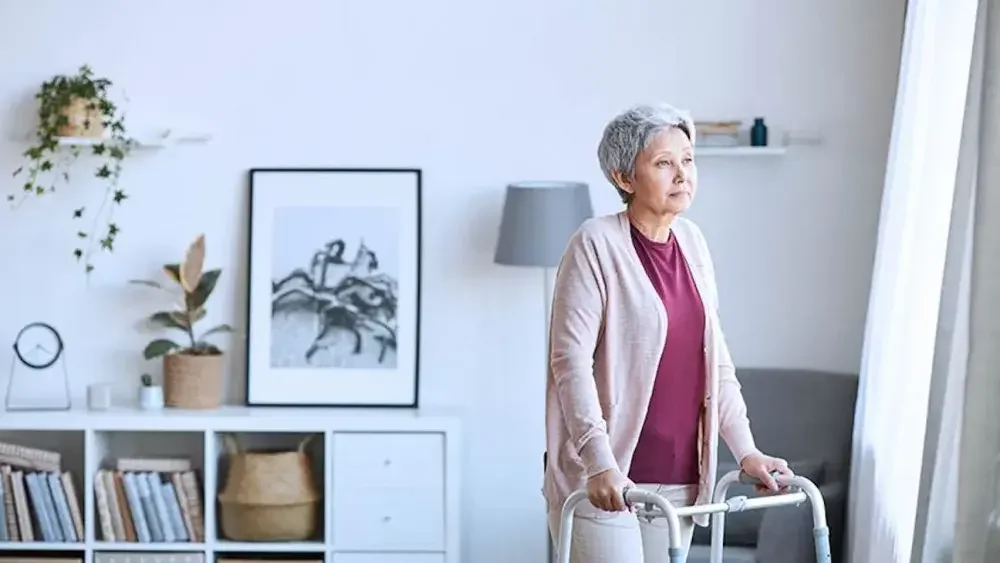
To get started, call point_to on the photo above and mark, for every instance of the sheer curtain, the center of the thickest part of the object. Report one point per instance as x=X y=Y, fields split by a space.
x=945 y=453
x=905 y=298
x=977 y=539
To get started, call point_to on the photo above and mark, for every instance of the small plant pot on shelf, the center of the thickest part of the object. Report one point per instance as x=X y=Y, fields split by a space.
x=151 y=398
x=193 y=381
x=83 y=119
x=269 y=495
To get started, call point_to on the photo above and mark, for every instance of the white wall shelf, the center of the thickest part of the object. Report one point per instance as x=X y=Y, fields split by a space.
x=159 y=140
x=740 y=151
x=163 y=140
x=389 y=481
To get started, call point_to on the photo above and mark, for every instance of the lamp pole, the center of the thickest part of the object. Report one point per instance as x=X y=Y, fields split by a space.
x=538 y=218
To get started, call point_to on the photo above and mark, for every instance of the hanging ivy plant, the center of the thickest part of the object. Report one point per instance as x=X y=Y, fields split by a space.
x=74 y=113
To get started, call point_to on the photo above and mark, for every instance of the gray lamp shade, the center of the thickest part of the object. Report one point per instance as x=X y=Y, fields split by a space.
x=538 y=220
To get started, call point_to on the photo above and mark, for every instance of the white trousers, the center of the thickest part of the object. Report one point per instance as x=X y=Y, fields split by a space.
x=622 y=537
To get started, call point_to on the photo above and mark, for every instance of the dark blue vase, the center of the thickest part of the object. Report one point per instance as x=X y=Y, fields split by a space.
x=758 y=133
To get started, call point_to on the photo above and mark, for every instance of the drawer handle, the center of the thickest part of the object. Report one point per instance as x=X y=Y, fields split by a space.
x=386 y=518
x=387 y=462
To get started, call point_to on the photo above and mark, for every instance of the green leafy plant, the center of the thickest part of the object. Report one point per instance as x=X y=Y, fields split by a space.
x=146 y=380
x=196 y=287
x=77 y=105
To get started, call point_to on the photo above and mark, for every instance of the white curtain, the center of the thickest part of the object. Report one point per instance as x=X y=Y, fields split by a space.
x=958 y=480
x=935 y=537
x=905 y=299
x=977 y=529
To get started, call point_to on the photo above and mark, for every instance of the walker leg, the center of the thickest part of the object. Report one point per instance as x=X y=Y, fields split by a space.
x=718 y=523
x=821 y=532
x=822 y=536
x=676 y=552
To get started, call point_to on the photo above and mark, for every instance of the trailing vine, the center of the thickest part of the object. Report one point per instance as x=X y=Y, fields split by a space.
x=77 y=106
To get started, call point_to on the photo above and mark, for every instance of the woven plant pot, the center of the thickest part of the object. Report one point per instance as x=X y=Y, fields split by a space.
x=83 y=121
x=192 y=382
x=269 y=496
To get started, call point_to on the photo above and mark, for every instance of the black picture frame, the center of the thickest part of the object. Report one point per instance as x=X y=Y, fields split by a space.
x=360 y=314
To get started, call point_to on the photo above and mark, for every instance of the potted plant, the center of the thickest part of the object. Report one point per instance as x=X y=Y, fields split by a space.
x=150 y=396
x=76 y=112
x=192 y=371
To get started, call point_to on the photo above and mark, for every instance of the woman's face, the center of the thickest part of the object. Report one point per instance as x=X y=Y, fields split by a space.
x=665 y=174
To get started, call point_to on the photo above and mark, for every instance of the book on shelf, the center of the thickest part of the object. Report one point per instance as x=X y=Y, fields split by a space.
x=154 y=464
x=38 y=501
x=29 y=458
x=147 y=504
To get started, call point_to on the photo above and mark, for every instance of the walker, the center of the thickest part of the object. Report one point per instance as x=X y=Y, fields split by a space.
x=655 y=506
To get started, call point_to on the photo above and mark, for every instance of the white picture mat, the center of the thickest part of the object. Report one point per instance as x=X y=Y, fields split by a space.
x=278 y=189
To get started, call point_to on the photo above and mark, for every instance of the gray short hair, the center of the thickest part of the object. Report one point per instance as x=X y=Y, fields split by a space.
x=631 y=131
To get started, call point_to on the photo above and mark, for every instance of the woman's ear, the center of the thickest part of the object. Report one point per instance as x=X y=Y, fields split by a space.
x=622 y=182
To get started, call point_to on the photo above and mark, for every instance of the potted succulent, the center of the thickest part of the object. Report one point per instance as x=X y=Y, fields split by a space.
x=150 y=396
x=75 y=112
x=192 y=370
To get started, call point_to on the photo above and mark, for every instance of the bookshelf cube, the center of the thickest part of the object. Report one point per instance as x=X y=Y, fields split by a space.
x=276 y=482
x=267 y=557
x=148 y=487
x=42 y=472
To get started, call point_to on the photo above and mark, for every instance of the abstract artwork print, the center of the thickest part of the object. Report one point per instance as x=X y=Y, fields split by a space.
x=334 y=287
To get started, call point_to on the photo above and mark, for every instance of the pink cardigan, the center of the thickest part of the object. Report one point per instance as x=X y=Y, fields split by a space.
x=607 y=333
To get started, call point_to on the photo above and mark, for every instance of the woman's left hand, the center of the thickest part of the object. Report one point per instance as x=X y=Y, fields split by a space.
x=761 y=466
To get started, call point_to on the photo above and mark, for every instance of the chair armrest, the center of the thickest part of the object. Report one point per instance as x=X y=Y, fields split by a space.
x=786 y=532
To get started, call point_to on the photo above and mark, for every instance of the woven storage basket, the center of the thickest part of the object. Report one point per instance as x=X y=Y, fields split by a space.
x=83 y=121
x=192 y=382
x=269 y=496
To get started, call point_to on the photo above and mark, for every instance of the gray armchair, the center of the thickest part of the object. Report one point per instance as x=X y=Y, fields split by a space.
x=806 y=417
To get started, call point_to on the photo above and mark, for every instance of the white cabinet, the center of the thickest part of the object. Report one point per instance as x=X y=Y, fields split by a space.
x=389 y=491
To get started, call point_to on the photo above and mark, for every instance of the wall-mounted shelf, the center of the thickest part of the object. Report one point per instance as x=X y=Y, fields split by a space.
x=156 y=141
x=740 y=151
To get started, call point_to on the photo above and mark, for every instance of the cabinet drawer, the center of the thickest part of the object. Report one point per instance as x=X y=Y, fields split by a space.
x=389 y=519
x=387 y=459
x=388 y=558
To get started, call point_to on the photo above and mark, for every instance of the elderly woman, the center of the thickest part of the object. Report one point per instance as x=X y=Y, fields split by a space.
x=640 y=380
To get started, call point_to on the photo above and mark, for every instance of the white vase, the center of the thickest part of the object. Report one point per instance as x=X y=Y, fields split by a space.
x=150 y=397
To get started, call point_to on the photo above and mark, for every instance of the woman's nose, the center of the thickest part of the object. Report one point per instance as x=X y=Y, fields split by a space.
x=680 y=176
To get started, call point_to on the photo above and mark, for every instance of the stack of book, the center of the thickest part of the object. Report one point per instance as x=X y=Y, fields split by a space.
x=40 y=502
x=149 y=500
x=724 y=133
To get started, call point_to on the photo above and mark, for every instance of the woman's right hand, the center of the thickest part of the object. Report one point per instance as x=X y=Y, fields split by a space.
x=605 y=490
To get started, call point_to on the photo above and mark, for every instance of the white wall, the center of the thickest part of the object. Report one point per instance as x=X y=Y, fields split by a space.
x=477 y=94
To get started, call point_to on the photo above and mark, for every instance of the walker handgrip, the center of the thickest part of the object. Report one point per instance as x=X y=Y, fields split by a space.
x=633 y=495
x=750 y=480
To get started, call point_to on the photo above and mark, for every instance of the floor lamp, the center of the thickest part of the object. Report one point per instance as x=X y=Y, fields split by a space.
x=538 y=220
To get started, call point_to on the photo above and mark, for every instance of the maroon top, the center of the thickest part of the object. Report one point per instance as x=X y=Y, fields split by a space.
x=667 y=452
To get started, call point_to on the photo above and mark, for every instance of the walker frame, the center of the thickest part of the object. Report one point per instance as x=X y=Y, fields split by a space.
x=650 y=505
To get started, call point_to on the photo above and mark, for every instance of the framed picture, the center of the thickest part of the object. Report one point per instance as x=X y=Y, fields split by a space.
x=334 y=297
